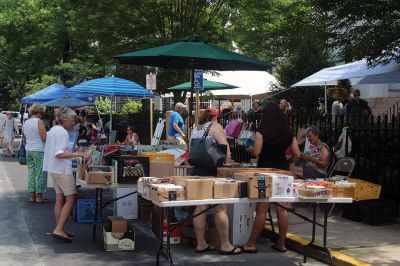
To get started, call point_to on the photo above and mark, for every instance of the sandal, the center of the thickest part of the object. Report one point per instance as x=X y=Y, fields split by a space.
x=69 y=234
x=248 y=250
x=232 y=252
x=278 y=249
x=62 y=237
x=42 y=201
x=208 y=248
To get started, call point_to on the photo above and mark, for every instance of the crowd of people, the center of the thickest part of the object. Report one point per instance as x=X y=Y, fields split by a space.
x=48 y=152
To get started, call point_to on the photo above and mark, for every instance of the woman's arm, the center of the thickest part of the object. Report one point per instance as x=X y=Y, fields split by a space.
x=136 y=137
x=258 y=144
x=42 y=130
x=217 y=132
x=294 y=148
x=322 y=161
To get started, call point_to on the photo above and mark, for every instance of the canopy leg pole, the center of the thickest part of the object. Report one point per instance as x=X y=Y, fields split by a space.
x=326 y=100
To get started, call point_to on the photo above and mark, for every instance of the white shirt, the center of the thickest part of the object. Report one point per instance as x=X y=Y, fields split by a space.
x=32 y=135
x=57 y=142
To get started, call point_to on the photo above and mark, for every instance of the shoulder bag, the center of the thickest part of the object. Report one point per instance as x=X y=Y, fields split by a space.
x=206 y=154
x=22 y=152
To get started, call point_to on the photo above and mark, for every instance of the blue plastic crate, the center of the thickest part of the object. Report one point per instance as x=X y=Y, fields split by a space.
x=85 y=210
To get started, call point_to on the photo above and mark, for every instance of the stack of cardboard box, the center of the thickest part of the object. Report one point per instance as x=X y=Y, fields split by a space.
x=118 y=234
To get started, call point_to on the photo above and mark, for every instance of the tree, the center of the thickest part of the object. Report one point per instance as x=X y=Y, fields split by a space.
x=289 y=34
x=131 y=106
x=363 y=29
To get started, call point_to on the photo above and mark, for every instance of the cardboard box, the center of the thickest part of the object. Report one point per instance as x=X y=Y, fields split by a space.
x=98 y=177
x=282 y=185
x=343 y=190
x=162 y=169
x=116 y=224
x=229 y=188
x=265 y=185
x=198 y=189
x=316 y=192
x=119 y=241
x=126 y=207
x=365 y=190
x=229 y=172
x=241 y=219
x=148 y=181
x=167 y=192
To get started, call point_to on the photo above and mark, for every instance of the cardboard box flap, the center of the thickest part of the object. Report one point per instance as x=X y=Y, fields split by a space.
x=116 y=224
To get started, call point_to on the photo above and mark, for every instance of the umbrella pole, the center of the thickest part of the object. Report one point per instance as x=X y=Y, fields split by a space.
x=197 y=107
x=111 y=109
x=192 y=64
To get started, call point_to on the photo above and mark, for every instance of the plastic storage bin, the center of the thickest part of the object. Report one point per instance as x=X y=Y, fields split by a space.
x=85 y=209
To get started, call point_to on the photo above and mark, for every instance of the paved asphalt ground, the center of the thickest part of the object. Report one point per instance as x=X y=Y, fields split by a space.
x=24 y=238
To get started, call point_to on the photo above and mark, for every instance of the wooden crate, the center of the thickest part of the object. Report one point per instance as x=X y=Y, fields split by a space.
x=365 y=190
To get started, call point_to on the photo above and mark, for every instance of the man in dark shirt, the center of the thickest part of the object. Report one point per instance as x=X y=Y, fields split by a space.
x=254 y=114
x=357 y=107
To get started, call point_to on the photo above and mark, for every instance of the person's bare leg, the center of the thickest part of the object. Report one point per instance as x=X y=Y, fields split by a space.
x=200 y=227
x=58 y=206
x=258 y=225
x=32 y=196
x=65 y=211
x=10 y=148
x=283 y=224
x=222 y=225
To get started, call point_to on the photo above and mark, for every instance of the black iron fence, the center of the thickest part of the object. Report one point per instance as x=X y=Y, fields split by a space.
x=375 y=142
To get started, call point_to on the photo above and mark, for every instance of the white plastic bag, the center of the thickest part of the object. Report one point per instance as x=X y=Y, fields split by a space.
x=341 y=151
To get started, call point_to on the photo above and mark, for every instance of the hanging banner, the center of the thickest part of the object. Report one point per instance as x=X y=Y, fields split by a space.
x=151 y=82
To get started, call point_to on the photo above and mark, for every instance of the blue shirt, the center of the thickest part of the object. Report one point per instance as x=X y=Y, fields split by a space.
x=175 y=118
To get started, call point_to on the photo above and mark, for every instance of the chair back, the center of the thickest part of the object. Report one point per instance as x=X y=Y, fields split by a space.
x=343 y=167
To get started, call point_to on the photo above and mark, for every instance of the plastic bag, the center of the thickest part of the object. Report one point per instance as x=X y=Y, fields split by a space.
x=340 y=147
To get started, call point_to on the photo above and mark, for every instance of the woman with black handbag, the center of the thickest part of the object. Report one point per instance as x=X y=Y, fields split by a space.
x=210 y=134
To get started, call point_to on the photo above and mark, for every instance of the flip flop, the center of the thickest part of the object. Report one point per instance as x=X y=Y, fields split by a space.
x=277 y=249
x=69 y=234
x=248 y=250
x=62 y=237
x=43 y=201
x=232 y=252
x=208 y=248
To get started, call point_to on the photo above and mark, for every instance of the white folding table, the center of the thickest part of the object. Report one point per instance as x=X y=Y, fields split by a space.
x=214 y=202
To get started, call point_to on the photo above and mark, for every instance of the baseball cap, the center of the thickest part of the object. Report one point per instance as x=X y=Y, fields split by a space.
x=179 y=105
x=212 y=111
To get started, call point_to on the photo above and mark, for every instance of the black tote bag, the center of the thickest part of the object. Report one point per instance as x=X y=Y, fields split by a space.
x=206 y=154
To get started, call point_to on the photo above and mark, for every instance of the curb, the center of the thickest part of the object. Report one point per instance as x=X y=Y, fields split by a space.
x=297 y=243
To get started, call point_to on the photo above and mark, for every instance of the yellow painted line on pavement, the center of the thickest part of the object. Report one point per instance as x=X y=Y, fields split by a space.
x=338 y=257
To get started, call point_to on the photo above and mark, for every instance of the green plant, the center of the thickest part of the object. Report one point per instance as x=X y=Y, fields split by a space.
x=132 y=106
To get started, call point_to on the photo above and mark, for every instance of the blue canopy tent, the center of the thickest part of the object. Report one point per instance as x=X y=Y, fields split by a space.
x=53 y=92
x=67 y=102
x=112 y=87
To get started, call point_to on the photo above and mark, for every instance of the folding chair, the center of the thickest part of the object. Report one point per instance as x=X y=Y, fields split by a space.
x=343 y=167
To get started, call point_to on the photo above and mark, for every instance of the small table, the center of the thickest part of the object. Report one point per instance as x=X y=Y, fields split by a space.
x=215 y=202
x=99 y=206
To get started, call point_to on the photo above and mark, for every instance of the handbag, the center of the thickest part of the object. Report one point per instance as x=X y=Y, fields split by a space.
x=247 y=137
x=206 y=154
x=22 y=152
x=340 y=149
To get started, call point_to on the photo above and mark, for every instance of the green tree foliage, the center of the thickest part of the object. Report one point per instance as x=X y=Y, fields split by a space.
x=363 y=29
x=103 y=105
x=131 y=106
x=289 y=34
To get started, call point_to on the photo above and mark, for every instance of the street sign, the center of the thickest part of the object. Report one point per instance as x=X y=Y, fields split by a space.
x=198 y=80
x=151 y=82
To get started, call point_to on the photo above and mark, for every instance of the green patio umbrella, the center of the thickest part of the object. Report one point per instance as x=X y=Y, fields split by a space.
x=207 y=84
x=192 y=53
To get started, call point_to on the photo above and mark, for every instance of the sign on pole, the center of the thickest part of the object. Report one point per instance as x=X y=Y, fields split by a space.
x=151 y=82
x=198 y=80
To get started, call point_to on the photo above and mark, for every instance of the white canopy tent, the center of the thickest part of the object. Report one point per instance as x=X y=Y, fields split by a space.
x=251 y=84
x=357 y=72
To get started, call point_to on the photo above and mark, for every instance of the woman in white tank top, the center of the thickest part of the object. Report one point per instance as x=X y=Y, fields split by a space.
x=35 y=137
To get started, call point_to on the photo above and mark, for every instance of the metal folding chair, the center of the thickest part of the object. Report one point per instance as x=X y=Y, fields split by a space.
x=343 y=167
